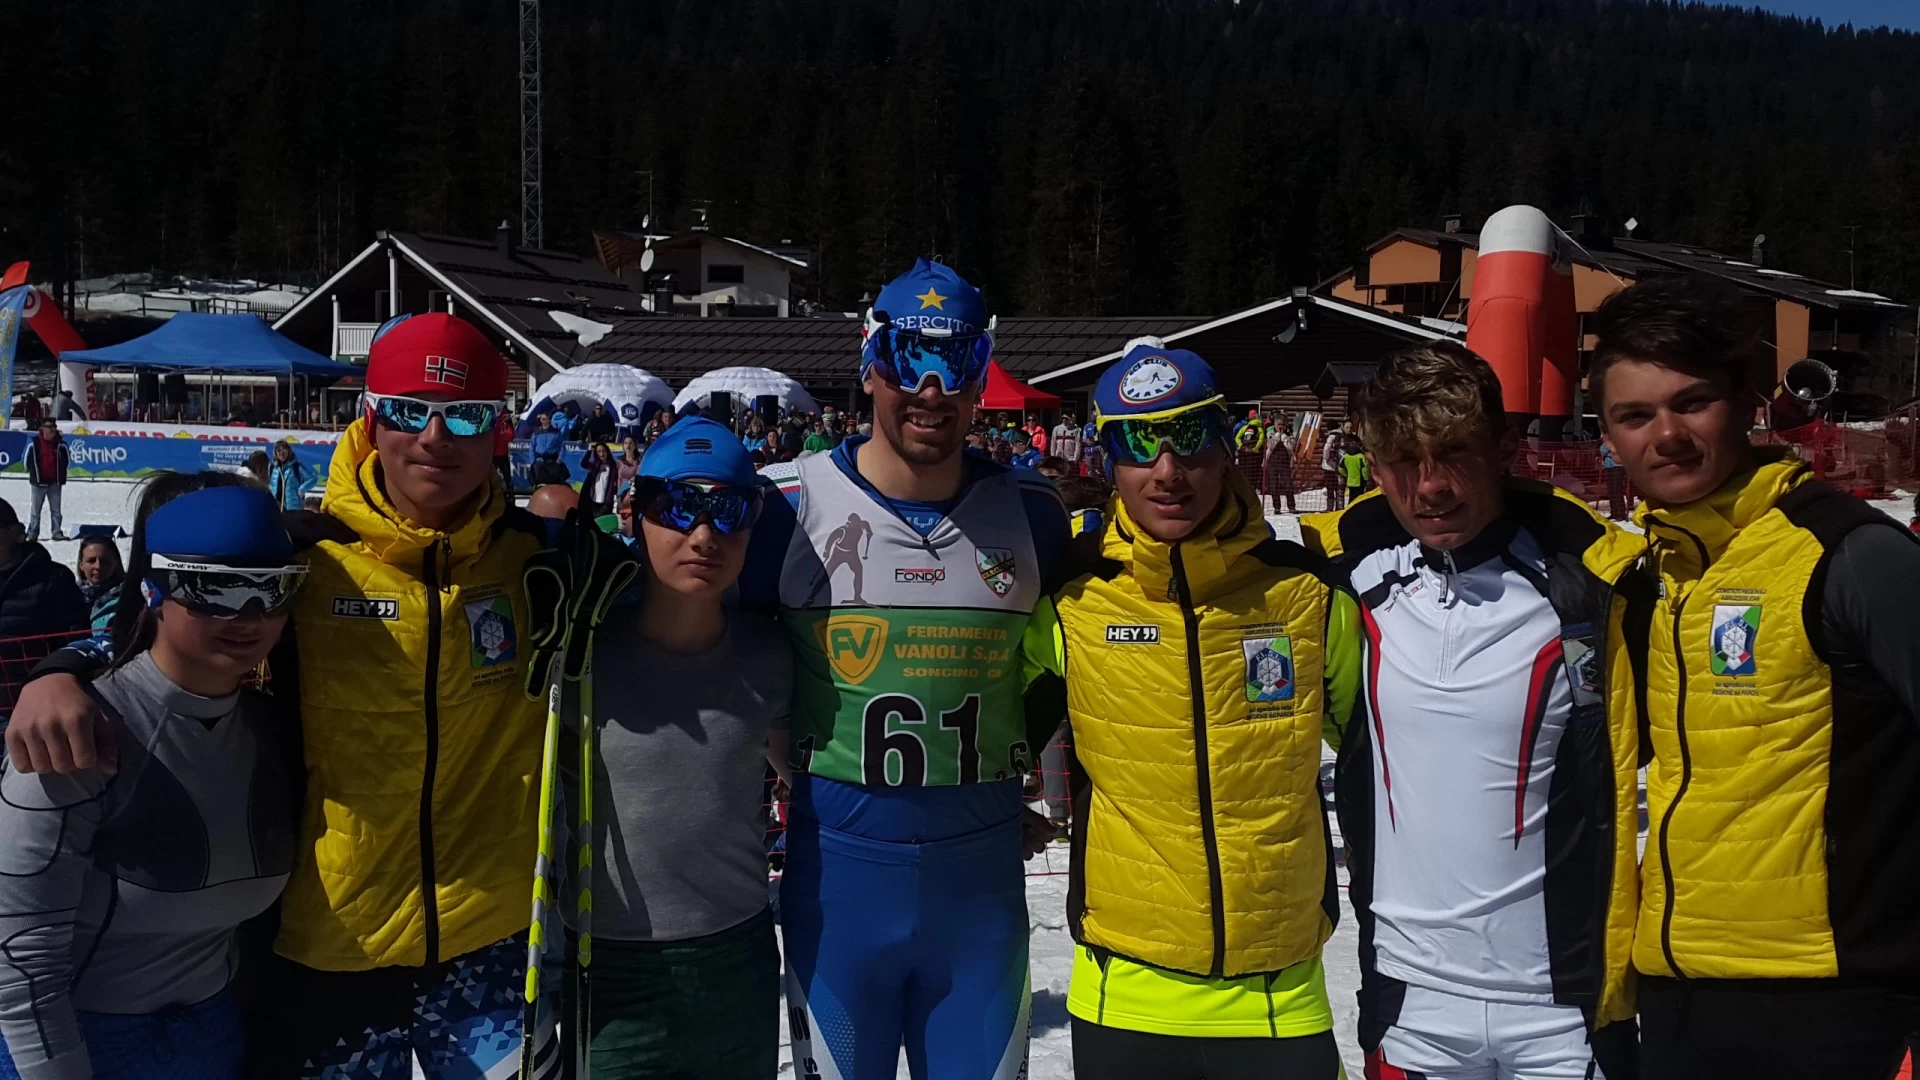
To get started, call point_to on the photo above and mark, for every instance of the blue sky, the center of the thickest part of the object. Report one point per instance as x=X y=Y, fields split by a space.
x=1900 y=14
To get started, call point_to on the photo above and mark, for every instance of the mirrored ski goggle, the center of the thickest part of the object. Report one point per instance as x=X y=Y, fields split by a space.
x=226 y=592
x=682 y=505
x=1141 y=440
x=411 y=416
x=908 y=358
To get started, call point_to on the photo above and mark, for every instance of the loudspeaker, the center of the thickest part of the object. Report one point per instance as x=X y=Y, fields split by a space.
x=146 y=387
x=768 y=406
x=173 y=388
x=720 y=408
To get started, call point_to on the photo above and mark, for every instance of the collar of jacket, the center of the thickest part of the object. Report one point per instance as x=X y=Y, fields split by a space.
x=1715 y=520
x=354 y=497
x=1207 y=556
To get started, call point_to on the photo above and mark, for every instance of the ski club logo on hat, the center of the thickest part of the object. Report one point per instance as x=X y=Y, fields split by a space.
x=1269 y=668
x=1149 y=379
x=996 y=568
x=1736 y=628
x=490 y=624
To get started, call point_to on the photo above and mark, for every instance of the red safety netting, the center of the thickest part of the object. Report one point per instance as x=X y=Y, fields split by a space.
x=17 y=657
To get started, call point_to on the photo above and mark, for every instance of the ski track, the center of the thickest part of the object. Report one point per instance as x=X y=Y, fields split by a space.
x=1050 y=1057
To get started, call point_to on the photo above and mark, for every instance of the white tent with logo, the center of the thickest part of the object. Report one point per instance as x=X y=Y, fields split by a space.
x=745 y=384
x=631 y=394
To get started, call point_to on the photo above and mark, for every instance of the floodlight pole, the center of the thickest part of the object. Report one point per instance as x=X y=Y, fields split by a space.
x=531 y=226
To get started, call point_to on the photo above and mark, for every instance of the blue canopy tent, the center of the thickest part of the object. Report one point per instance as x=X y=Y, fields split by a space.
x=192 y=341
x=218 y=345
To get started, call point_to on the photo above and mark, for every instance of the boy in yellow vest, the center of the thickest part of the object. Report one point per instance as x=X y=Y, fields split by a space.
x=1200 y=657
x=1779 y=931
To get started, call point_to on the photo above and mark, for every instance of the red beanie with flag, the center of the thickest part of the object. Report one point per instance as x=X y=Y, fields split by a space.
x=437 y=353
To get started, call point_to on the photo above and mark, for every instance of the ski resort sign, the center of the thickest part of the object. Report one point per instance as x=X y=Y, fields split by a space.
x=123 y=451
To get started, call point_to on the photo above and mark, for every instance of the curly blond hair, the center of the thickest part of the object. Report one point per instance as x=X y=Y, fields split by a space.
x=1427 y=398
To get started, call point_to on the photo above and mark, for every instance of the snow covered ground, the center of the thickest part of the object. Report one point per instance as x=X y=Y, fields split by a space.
x=1051 y=1058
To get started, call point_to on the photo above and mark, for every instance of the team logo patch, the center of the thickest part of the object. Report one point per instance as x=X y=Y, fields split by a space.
x=1149 y=379
x=361 y=607
x=630 y=413
x=1118 y=634
x=446 y=371
x=854 y=645
x=919 y=575
x=1736 y=628
x=490 y=623
x=996 y=568
x=1269 y=668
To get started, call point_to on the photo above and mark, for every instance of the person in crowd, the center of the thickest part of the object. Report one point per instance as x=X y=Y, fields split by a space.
x=503 y=450
x=1615 y=478
x=1250 y=449
x=37 y=595
x=548 y=440
x=1484 y=799
x=1086 y=502
x=553 y=502
x=287 y=480
x=100 y=573
x=1333 y=447
x=66 y=408
x=402 y=931
x=1201 y=660
x=691 y=704
x=602 y=481
x=1038 y=435
x=1778 y=935
x=120 y=896
x=1051 y=467
x=1066 y=441
x=1002 y=452
x=1024 y=455
x=658 y=425
x=258 y=466
x=902 y=905
x=46 y=462
x=754 y=438
x=1353 y=467
x=819 y=441
x=793 y=438
x=1277 y=471
x=572 y=425
x=600 y=424
x=628 y=463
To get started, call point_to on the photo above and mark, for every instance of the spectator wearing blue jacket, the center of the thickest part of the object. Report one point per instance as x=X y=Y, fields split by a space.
x=547 y=439
x=287 y=479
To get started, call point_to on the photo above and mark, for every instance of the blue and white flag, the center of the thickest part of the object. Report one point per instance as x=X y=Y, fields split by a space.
x=13 y=305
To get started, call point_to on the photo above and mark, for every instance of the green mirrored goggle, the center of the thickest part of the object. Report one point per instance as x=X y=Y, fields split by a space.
x=1141 y=441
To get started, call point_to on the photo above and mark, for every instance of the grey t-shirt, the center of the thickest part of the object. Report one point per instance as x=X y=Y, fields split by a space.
x=121 y=894
x=680 y=797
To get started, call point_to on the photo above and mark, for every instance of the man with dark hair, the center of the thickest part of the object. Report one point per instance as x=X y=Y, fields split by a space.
x=1482 y=795
x=46 y=463
x=1777 y=934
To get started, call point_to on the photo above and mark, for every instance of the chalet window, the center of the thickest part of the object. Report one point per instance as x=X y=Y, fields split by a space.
x=726 y=273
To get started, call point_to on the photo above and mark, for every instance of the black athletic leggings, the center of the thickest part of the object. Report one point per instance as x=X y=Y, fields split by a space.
x=1758 y=1029
x=1105 y=1053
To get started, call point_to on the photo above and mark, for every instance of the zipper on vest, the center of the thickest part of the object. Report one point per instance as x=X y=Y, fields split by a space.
x=431 y=713
x=1686 y=760
x=1197 y=689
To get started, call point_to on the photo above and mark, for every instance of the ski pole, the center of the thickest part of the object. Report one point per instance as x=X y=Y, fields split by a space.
x=583 y=910
x=542 y=863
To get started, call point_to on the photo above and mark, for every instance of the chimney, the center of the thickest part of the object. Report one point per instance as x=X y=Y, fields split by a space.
x=1759 y=255
x=1450 y=224
x=503 y=238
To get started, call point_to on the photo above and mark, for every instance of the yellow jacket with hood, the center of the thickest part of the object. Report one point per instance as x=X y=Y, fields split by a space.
x=422 y=753
x=1197 y=682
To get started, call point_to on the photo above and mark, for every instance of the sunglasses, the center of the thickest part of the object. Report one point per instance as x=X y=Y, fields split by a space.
x=906 y=359
x=682 y=506
x=1142 y=441
x=410 y=416
x=226 y=592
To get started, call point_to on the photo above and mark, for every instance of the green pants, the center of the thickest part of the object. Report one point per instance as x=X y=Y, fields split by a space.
x=706 y=1008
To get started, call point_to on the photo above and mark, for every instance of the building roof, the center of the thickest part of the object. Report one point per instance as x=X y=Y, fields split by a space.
x=618 y=249
x=512 y=290
x=677 y=347
x=1638 y=259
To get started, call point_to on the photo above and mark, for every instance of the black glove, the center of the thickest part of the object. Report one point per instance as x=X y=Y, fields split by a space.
x=570 y=586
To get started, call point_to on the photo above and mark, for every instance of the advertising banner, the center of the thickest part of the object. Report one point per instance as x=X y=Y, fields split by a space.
x=127 y=455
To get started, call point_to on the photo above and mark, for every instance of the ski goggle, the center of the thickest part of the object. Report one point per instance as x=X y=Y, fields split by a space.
x=907 y=358
x=1140 y=440
x=681 y=506
x=225 y=592
x=410 y=416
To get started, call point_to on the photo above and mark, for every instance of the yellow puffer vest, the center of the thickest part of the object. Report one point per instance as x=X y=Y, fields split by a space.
x=1195 y=689
x=422 y=752
x=1735 y=878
